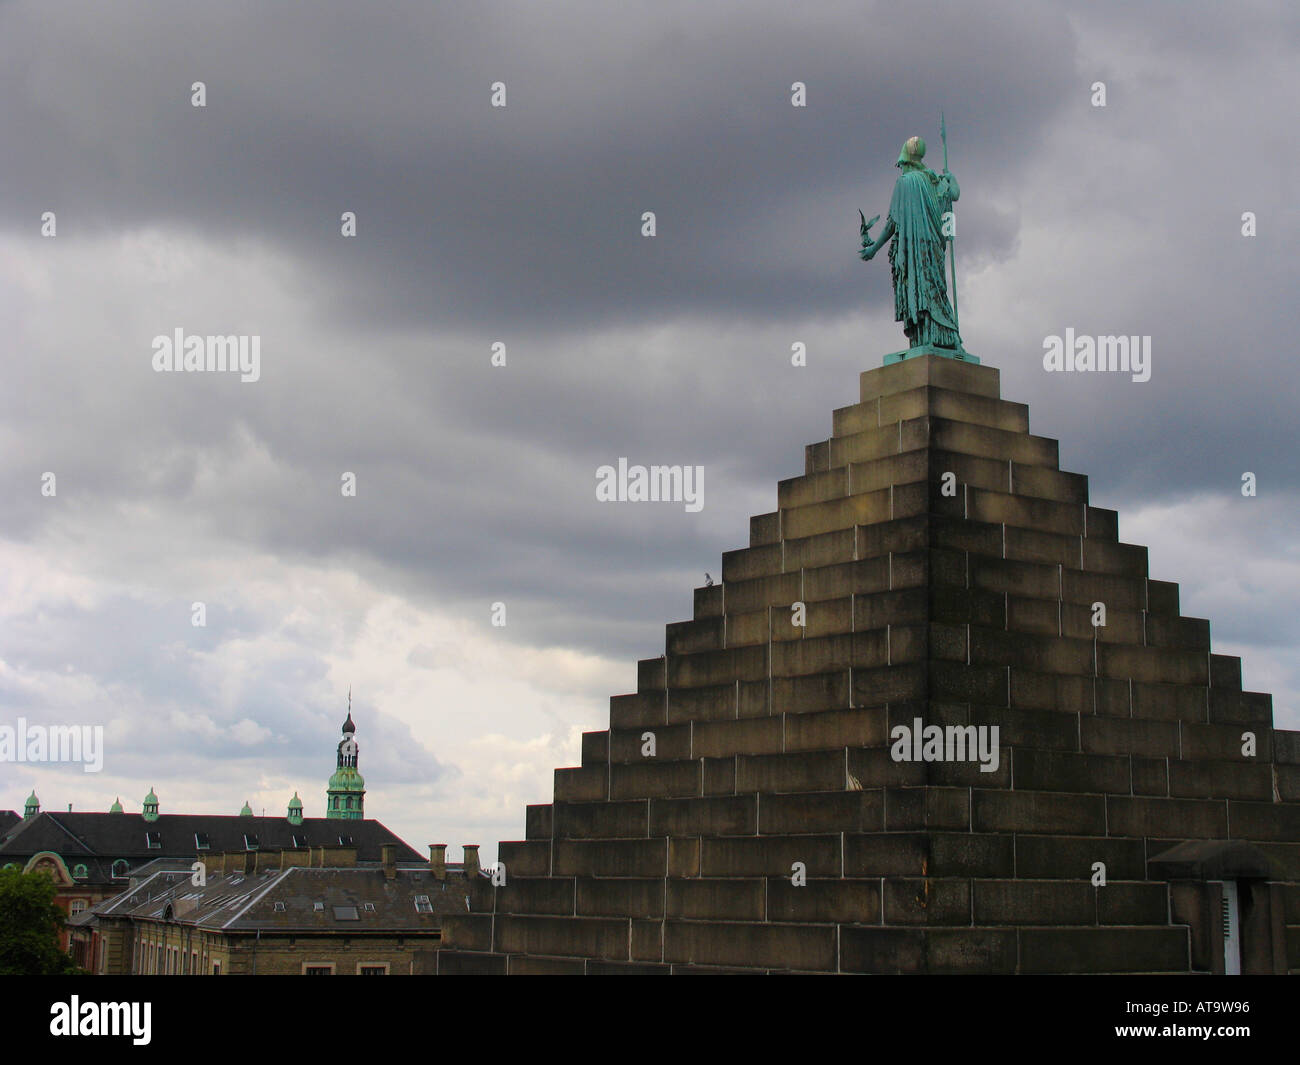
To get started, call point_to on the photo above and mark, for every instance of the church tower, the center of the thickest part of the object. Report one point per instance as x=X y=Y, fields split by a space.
x=345 y=796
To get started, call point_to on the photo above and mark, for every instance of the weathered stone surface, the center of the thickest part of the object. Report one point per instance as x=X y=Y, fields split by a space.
x=774 y=830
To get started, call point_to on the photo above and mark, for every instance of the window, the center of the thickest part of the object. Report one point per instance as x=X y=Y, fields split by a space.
x=120 y=868
x=77 y=906
x=79 y=872
x=153 y=840
x=318 y=968
x=370 y=907
x=250 y=842
x=318 y=906
x=216 y=968
x=279 y=907
x=201 y=841
x=422 y=904
x=380 y=969
x=345 y=841
x=300 y=842
x=346 y=913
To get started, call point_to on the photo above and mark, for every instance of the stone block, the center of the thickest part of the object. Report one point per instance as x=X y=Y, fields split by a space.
x=1035 y=902
x=1220 y=780
x=539 y=821
x=810 y=694
x=717 y=667
x=927 y=901
x=821 y=812
x=752 y=563
x=908 y=809
x=724 y=815
x=741 y=856
x=584 y=784
x=804 y=771
x=672 y=742
x=602 y=820
x=840 y=901
x=1033 y=545
x=1071 y=857
x=580 y=937
x=812 y=488
x=1122 y=736
x=1104 y=950
x=717 y=739
x=765 y=529
x=834 y=728
x=1166 y=818
x=1066 y=771
x=643 y=708
x=882 y=950
x=1169 y=702
x=1044 y=482
x=620 y=857
x=653 y=779
x=1039 y=812
x=541 y=895
x=797 y=947
x=620 y=897
x=721 y=900
x=703 y=634
x=1224 y=742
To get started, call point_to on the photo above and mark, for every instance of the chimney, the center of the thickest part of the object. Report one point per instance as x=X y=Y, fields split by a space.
x=471 y=861
x=389 y=854
x=438 y=860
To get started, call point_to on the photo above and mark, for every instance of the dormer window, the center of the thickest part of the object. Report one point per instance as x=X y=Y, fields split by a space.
x=120 y=868
x=201 y=841
x=250 y=842
x=153 y=840
x=422 y=904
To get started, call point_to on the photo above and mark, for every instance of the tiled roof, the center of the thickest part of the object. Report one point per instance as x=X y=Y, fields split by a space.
x=296 y=899
x=99 y=839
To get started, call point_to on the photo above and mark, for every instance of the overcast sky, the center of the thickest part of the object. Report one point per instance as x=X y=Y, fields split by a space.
x=522 y=225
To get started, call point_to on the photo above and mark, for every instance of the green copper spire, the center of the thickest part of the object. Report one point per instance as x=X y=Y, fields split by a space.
x=247 y=811
x=151 y=806
x=295 y=810
x=345 y=795
x=32 y=806
x=116 y=808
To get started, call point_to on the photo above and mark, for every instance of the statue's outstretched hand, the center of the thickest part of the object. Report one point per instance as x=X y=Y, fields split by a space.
x=868 y=252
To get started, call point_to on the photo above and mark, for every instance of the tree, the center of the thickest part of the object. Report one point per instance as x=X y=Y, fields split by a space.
x=29 y=927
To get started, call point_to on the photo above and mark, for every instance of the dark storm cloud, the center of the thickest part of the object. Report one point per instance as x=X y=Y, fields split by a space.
x=526 y=216
x=522 y=225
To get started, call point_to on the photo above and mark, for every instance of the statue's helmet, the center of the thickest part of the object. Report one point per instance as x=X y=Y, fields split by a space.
x=913 y=152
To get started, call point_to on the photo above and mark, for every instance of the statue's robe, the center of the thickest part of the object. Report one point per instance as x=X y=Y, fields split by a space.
x=916 y=258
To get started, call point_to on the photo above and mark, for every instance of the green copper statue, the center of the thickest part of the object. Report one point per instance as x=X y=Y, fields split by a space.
x=920 y=224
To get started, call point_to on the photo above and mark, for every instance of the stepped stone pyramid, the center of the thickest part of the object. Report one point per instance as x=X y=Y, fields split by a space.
x=1124 y=744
